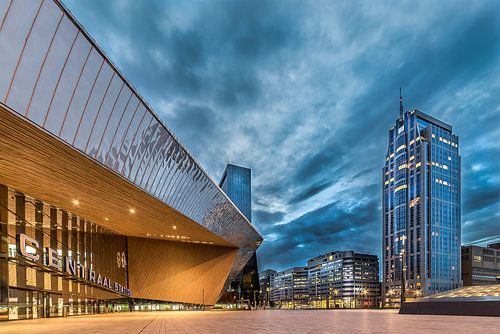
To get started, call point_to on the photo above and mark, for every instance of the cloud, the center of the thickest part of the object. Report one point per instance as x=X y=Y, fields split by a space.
x=304 y=92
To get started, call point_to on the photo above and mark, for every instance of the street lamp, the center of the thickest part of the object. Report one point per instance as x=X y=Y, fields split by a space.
x=403 y=271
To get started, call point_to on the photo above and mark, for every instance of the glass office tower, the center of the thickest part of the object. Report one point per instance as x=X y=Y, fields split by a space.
x=421 y=211
x=236 y=182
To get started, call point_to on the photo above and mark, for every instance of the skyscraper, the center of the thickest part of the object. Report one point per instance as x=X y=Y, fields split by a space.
x=236 y=182
x=421 y=213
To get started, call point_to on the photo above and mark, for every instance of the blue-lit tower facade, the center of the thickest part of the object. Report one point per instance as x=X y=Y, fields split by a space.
x=421 y=211
x=236 y=182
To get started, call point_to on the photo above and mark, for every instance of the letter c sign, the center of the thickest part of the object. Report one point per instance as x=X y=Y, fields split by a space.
x=28 y=246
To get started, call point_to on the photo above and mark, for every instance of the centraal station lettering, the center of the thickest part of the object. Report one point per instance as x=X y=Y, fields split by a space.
x=27 y=247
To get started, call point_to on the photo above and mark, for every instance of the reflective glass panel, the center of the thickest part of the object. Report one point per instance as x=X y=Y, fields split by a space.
x=103 y=115
x=90 y=112
x=122 y=129
x=77 y=105
x=52 y=68
x=12 y=37
x=33 y=56
x=67 y=84
x=117 y=113
x=133 y=157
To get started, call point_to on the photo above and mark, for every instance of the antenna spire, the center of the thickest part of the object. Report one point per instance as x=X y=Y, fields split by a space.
x=400 y=105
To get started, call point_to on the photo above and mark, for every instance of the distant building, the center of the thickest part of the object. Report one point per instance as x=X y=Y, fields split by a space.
x=421 y=212
x=236 y=182
x=266 y=280
x=343 y=280
x=481 y=265
x=290 y=288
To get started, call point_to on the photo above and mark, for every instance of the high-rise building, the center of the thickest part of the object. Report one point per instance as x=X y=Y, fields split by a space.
x=421 y=222
x=481 y=265
x=236 y=182
x=290 y=288
x=266 y=280
x=343 y=280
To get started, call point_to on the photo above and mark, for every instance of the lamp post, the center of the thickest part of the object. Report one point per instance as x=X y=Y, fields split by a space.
x=403 y=272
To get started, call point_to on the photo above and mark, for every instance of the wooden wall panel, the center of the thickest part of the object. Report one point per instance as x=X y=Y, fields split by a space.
x=42 y=166
x=178 y=272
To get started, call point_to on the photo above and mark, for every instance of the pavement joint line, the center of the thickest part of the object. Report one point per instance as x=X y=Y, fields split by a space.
x=149 y=323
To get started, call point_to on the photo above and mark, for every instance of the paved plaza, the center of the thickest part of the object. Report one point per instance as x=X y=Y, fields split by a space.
x=304 y=321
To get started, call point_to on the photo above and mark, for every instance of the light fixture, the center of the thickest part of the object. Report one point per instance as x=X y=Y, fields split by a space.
x=76 y=202
x=106 y=219
x=174 y=227
x=132 y=210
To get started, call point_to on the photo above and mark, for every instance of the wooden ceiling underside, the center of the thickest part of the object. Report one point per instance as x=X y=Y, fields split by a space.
x=37 y=164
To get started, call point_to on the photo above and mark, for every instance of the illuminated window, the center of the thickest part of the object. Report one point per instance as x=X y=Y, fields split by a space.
x=400 y=148
x=412 y=157
x=433 y=136
x=402 y=166
x=404 y=186
x=412 y=142
x=418 y=164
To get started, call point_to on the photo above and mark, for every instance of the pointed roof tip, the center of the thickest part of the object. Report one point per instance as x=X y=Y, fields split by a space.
x=401 y=111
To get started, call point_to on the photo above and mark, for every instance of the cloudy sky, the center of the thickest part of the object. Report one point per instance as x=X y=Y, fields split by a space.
x=303 y=92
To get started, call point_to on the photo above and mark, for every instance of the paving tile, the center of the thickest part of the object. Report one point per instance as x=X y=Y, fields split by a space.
x=242 y=322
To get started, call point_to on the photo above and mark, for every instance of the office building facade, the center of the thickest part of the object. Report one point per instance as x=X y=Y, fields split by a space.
x=266 y=281
x=421 y=211
x=94 y=187
x=480 y=265
x=343 y=280
x=290 y=288
x=236 y=182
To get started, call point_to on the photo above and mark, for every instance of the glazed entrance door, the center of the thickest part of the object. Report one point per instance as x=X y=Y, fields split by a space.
x=46 y=305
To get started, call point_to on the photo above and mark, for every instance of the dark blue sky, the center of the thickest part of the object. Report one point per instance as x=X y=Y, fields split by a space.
x=304 y=92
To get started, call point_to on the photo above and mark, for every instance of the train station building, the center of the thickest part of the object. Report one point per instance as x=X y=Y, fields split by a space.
x=101 y=207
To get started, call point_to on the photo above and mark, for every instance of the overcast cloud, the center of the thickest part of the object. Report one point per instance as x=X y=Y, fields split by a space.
x=303 y=92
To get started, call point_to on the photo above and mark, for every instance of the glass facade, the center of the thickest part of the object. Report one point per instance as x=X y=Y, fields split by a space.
x=266 y=282
x=421 y=208
x=237 y=184
x=343 y=280
x=290 y=288
x=39 y=243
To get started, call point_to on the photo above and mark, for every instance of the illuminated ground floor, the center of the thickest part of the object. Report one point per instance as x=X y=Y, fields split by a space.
x=54 y=263
x=289 y=321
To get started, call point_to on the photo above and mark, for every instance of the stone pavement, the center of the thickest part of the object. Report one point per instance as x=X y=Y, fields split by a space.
x=275 y=321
